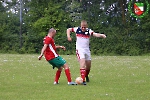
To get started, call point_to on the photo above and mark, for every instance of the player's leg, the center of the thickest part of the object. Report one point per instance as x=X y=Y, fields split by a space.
x=60 y=63
x=68 y=74
x=88 y=64
x=58 y=72
x=57 y=75
x=82 y=68
x=81 y=58
x=57 y=62
x=88 y=68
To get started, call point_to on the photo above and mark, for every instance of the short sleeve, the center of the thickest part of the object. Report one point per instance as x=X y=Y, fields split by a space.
x=74 y=29
x=91 y=32
x=47 y=40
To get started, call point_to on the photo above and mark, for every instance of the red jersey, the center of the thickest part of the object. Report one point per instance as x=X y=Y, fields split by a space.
x=50 y=52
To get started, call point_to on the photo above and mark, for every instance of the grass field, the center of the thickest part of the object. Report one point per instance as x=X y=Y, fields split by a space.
x=23 y=77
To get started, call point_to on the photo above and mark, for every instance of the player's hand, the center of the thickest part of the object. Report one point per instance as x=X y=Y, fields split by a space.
x=40 y=57
x=103 y=36
x=69 y=39
x=62 y=47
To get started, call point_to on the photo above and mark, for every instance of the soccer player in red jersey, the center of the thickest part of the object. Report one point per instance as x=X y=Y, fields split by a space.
x=51 y=55
x=83 y=35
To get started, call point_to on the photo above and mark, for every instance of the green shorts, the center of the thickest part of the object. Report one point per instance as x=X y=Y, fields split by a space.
x=57 y=62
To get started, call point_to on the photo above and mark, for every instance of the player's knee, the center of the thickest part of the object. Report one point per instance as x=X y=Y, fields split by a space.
x=65 y=66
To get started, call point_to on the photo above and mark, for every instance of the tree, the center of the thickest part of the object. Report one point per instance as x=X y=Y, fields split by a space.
x=43 y=16
x=126 y=35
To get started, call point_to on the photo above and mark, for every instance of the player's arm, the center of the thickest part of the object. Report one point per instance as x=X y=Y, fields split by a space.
x=99 y=35
x=60 y=47
x=69 y=30
x=42 y=51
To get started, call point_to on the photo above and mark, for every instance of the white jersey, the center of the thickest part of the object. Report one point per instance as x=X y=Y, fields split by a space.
x=82 y=38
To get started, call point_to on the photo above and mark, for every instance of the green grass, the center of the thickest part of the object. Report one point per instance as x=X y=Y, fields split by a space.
x=23 y=77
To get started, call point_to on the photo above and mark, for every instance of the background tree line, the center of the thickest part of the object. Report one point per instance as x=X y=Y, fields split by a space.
x=126 y=35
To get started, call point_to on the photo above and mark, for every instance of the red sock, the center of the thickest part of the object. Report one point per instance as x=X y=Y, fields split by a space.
x=68 y=75
x=83 y=73
x=87 y=72
x=57 y=76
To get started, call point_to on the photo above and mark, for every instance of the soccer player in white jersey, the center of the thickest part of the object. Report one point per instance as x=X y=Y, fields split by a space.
x=83 y=54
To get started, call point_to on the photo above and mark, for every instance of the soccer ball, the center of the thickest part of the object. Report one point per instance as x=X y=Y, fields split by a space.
x=79 y=80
